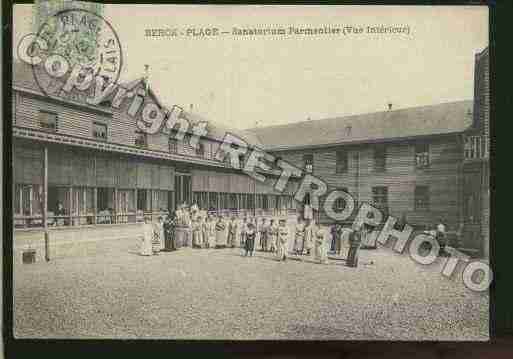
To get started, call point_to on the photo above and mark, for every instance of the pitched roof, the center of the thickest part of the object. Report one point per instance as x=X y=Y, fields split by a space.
x=443 y=118
x=23 y=77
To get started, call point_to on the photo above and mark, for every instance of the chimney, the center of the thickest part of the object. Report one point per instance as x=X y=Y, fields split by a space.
x=147 y=77
x=389 y=106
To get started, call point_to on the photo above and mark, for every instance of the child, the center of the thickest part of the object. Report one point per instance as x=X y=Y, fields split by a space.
x=250 y=240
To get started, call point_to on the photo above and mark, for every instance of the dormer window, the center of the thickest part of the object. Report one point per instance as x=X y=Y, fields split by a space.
x=100 y=131
x=308 y=162
x=141 y=139
x=48 y=120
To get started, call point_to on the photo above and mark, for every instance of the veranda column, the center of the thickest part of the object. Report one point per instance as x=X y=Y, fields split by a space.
x=45 y=203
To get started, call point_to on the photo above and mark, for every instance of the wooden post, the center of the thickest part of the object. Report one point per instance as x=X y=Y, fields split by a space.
x=45 y=203
x=70 y=203
x=115 y=216
x=95 y=205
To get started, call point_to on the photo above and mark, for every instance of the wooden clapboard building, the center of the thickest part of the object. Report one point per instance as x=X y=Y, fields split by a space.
x=406 y=162
x=476 y=165
x=415 y=162
x=105 y=172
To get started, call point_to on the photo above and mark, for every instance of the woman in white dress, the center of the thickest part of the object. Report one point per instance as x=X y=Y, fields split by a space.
x=196 y=233
x=283 y=239
x=211 y=232
x=147 y=238
x=321 y=240
x=309 y=229
x=299 y=237
x=221 y=232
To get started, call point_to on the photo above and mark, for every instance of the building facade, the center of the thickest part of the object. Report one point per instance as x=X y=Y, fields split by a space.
x=427 y=164
x=476 y=166
x=103 y=171
x=406 y=162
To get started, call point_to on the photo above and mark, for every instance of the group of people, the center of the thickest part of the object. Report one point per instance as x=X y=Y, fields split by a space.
x=196 y=228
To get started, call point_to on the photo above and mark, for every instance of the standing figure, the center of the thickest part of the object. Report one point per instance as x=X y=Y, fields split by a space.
x=197 y=229
x=440 y=236
x=155 y=244
x=355 y=239
x=147 y=237
x=333 y=235
x=221 y=235
x=204 y=232
x=232 y=232
x=321 y=239
x=188 y=227
x=308 y=238
x=283 y=238
x=272 y=235
x=211 y=232
x=264 y=234
x=249 y=244
x=299 y=237
x=338 y=238
x=169 y=234
x=243 y=230
x=258 y=228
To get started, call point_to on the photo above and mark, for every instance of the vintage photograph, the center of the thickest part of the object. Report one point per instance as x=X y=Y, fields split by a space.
x=250 y=172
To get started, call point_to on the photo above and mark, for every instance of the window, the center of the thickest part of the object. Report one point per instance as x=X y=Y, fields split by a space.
x=340 y=203
x=421 y=198
x=173 y=145
x=380 y=198
x=341 y=164
x=100 y=131
x=141 y=139
x=48 y=120
x=242 y=158
x=28 y=200
x=421 y=155
x=143 y=200
x=380 y=158
x=126 y=201
x=200 y=150
x=308 y=162
x=160 y=200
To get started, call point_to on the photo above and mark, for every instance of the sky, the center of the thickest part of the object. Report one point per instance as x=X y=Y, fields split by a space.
x=244 y=82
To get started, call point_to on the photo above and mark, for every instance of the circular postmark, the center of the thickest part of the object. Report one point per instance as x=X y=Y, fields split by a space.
x=75 y=49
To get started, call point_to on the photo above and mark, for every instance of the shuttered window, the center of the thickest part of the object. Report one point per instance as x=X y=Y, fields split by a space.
x=341 y=164
x=421 y=155
x=48 y=120
x=100 y=131
x=380 y=158
x=308 y=162
x=340 y=203
x=173 y=145
x=421 y=198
